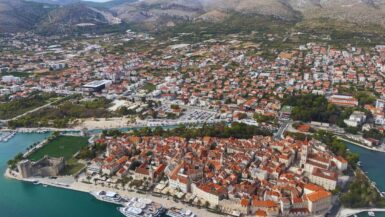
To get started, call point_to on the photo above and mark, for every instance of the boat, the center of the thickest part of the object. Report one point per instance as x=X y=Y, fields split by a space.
x=138 y=207
x=44 y=185
x=130 y=211
x=359 y=163
x=109 y=197
x=371 y=213
x=175 y=212
x=7 y=136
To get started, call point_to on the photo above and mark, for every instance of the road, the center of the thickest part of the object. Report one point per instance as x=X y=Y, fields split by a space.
x=282 y=128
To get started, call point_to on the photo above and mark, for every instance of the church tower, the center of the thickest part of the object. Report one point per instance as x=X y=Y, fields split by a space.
x=305 y=149
x=151 y=172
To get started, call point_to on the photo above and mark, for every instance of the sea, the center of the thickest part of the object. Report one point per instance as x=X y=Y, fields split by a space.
x=21 y=199
x=373 y=164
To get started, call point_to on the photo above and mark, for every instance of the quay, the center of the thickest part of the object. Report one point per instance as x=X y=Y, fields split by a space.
x=345 y=212
x=382 y=149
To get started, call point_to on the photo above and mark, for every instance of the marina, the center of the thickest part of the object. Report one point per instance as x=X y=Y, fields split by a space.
x=109 y=197
x=6 y=136
x=174 y=212
x=64 y=193
x=137 y=207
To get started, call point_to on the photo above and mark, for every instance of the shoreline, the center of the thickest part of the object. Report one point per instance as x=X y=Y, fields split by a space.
x=359 y=144
x=346 y=212
x=87 y=188
x=78 y=129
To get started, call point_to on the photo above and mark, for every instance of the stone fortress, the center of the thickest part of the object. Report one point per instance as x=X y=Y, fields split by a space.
x=47 y=166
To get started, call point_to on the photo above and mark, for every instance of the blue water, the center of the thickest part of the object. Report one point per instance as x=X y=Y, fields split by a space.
x=374 y=164
x=19 y=199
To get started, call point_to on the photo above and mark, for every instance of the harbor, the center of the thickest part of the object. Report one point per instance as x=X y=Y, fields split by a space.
x=77 y=194
x=40 y=201
x=109 y=197
x=145 y=207
x=7 y=135
x=122 y=198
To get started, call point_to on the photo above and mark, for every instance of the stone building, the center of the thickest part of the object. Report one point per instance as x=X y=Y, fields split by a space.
x=47 y=166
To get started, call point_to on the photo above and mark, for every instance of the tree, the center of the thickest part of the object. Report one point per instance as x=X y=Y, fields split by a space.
x=337 y=147
x=174 y=106
x=56 y=134
x=86 y=153
x=13 y=162
x=361 y=193
x=158 y=131
x=311 y=107
x=374 y=134
x=352 y=130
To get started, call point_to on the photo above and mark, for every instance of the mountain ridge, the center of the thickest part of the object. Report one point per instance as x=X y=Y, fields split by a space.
x=155 y=13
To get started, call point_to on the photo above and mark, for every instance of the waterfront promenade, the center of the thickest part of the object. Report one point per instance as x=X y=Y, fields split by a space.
x=340 y=136
x=345 y=212
x=380 y=149
x=70 y=184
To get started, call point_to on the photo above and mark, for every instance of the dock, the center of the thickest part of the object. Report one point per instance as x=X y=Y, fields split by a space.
x=7 y=135
x=345 y=212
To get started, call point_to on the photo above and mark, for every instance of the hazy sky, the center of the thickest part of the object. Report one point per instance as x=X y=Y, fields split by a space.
x=97 y=0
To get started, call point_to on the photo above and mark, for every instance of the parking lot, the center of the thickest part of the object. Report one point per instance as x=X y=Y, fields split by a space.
x=198 y=115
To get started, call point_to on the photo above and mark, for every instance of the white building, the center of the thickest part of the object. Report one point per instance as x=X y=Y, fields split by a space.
x=324 y=178
x=10 y=79
x=380 y=103
x=355 y=119
x=319 y=202
x=341 y=163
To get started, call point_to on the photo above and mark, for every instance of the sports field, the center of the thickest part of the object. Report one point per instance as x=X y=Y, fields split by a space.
x=62 y=146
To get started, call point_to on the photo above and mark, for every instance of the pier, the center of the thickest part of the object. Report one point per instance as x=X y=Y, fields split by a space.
x=7 y=135
x=345 y=212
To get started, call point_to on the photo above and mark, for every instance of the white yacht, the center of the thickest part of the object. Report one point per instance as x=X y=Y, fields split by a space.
x=109 y=196
x=138 y=207
x=130 y=211
x=175 y=212
x=371 y=213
